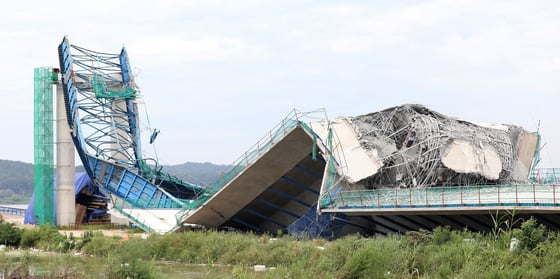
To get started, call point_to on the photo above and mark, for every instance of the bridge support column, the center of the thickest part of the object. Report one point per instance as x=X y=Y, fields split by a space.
x=65 y=165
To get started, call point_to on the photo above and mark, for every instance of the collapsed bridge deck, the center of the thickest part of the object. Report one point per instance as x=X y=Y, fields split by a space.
x=401 y=168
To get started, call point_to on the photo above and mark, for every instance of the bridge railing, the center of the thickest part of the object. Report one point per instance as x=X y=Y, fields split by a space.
x=290 y=122
x=545 y=176
x=12 y=210
x=439 y=197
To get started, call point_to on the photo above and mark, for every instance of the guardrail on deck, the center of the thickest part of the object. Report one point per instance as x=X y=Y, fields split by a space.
x=440 y=197
x=12 y=210
x=290 y=122
x=545 y=176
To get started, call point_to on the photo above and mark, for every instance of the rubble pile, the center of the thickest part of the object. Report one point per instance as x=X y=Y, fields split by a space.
x=418 y=147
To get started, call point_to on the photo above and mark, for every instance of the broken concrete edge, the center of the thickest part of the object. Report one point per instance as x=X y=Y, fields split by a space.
x=354 y=162
x=459 y=148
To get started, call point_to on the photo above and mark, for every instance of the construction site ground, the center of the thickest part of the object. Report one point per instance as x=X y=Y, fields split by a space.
x=124 y=233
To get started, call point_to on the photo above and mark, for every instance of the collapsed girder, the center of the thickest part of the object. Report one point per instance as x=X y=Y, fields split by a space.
x=412 y=146
x=282 y=182
x=417 y=146
x=100 y=96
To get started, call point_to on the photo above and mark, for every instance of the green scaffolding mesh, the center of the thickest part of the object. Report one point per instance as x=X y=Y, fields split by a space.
x=101 y=91
x=457 y=196
x=43 y=142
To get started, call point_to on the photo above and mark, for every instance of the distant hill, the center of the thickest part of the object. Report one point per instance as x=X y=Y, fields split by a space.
x=16 y=181
x=198 y=173
x=16 y=178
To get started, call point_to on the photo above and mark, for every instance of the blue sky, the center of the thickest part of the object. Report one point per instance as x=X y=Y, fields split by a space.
x=217 y=75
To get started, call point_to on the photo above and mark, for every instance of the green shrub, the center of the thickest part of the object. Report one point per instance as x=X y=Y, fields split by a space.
x=448 y=256
x=10 y=235
x=444 y=271
x=530 y=234
x=134 y=270
x=30 y=238
x=80 y=242
x=44 y=237
x=134 y=249
x=100 y=245
x=442 y=253
x=376 y=258
x=441 y=235
x=336 y=253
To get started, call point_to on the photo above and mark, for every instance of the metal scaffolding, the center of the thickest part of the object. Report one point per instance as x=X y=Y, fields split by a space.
x=413 y=142
x=101 y=100
x=43 y=143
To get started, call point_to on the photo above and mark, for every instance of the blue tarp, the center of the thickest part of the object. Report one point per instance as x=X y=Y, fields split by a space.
x=311 y=225
x=81 y=181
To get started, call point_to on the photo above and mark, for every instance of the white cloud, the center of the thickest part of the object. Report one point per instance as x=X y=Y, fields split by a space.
x=205 y=49
x=250 y=58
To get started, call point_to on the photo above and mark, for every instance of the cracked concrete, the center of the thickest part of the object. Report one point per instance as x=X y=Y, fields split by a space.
x=413 y=146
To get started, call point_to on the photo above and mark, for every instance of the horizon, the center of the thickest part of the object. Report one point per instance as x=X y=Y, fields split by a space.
x=80 y=165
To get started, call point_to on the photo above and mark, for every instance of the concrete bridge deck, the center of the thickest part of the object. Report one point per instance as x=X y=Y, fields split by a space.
x=269 y=194
x=479 y=208
x=284 y=182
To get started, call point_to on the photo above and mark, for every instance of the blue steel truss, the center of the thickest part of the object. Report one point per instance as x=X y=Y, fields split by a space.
x=100 y=93
x=100 y=96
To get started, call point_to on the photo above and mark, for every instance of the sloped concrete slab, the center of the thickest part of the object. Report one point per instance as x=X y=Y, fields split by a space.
x=254 y=180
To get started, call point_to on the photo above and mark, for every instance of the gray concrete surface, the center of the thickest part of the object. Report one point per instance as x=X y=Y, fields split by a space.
x=254 y=180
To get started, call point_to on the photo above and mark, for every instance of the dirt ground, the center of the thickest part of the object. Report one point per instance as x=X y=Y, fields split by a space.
x=18 y=220
x=111 y=233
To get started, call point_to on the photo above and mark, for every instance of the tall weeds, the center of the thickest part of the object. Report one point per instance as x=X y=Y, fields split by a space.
x=441 y=253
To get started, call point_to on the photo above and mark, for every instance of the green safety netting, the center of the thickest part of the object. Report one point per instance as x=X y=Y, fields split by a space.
x=101 y=91
x=480 y=195
x=43 y=145
x=545 y=176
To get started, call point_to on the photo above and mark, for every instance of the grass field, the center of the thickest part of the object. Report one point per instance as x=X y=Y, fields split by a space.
x=442 y=253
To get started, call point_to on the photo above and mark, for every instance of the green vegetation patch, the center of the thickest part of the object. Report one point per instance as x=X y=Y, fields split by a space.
x=528 y=251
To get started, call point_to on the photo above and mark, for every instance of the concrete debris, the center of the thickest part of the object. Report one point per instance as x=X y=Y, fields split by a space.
x=413 y=146
x=359 y=162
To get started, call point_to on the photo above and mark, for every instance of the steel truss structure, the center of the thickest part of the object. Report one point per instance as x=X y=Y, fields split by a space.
x=43 y=141
x=282 y=183
x=101 y=103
